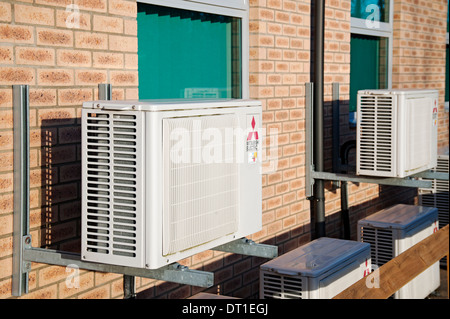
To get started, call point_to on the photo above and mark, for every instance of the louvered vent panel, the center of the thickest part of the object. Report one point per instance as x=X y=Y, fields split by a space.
x=375 y=140
x=200 y=181
x=438 y=195
x=111 y=196
x=277 y=286
x=381 y=244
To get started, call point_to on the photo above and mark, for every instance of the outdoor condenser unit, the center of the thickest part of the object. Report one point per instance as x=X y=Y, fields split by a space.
x=320 y=269
x=438 y=195
x=396 y=132
x=165 y=179
x=394 y=230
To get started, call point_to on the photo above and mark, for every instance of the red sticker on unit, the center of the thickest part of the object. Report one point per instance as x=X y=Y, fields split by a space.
x=252 y=140
x=435 y=113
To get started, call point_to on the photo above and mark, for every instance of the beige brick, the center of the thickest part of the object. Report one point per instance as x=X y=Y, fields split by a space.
x=89 y=40
x=73 y=20
x=51 y=274
x=131 y=61
x=6 y=141
x=58 y=116
x=122 y=43
x=83 y=281
x=16 y=33
x=49 y=292
x=54 y=37
x=16 y=75
x=5 y=11
x=102 y=292
x=5 y=267
x=130 y=26
x=124 y=78
x=5 y=248
x=34 y=14
x=74 y=96
x=42 y=97
x=35 y=56
x=5 y=97
x=92 y=5
x=107 y=24
x=108 y=60
x=6 y=54
x=59 y=3
x=74 y=58
x=55 y=77
x=90 y=77
x=123 y=8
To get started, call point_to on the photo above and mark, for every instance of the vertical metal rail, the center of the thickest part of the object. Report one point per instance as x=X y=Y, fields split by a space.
x=21 y=227
x=104 y=92
x=309 y=180
x=336 y=130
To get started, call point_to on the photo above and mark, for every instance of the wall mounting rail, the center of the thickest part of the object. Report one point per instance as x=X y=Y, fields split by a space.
x=311 y=175
x=24 y=254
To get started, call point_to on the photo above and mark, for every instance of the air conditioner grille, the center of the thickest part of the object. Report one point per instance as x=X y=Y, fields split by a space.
x=376 y=134
x=112 y=175
x=200 y=181
x=438 y=195
x=277 y=286
x=381 y=244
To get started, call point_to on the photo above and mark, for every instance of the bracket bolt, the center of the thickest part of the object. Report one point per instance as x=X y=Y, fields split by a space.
x=28 y=240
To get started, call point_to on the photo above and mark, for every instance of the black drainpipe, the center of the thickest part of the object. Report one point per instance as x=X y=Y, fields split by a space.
x=318 y=197
x=345 y=150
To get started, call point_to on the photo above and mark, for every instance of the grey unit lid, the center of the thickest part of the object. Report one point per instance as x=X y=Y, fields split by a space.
x=159 y=105
x=316 y=257
x=400 y=216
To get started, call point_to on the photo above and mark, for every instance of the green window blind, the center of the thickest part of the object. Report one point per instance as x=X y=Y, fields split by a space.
x=368 y=65
x=187 y=54
x=364 y=9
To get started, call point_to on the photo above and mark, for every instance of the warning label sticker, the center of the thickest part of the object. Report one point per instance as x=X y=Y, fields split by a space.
x=252 y=141
x=435 y=113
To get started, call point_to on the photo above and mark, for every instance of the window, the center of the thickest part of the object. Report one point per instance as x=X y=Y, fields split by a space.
x=368 y=64
x=192 y=50
x=370 y=47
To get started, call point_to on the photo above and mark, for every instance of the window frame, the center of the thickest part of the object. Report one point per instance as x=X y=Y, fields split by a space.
x=446 y=103
x=232 y=8
x=358 y=26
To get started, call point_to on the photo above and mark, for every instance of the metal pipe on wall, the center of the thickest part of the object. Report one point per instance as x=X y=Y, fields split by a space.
x=319 y=196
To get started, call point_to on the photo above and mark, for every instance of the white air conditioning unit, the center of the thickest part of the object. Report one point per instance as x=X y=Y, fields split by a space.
x=396 y=132
x=165 y=179
x=392 y=231
x=320 y=269
x=438 y=195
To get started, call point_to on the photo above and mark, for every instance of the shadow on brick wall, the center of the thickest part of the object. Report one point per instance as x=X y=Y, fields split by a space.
x=57 y=216
x=59 y=167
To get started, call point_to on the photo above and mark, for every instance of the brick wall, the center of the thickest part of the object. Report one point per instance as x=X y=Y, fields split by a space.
x=63 y=66
x=420 y=29
x=63 y=60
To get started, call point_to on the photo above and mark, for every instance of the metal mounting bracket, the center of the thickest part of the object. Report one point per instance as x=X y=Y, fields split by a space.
x=248 y=247
x=173 y=272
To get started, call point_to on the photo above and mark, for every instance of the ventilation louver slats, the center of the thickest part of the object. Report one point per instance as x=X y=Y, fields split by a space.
x=112 y=173
x=276 y=286
x=376 y=134
x=381 y=244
